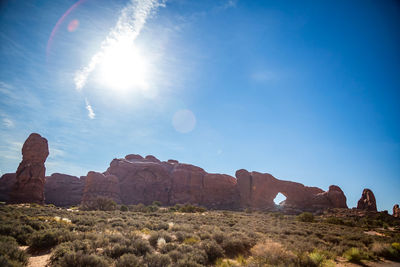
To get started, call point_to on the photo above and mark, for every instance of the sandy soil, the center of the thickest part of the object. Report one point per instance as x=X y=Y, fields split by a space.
x=38 y=260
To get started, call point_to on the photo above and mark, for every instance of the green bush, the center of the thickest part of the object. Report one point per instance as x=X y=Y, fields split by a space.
x=44 y=239
x=305 y=217
x=388 y=251
x=123 y=208
x=157 y=260
x=354 y=255
x=100 y=203
x=79 y=259
x=213 y=251
x=235 y=245
x=10 y=254
x=128 y=260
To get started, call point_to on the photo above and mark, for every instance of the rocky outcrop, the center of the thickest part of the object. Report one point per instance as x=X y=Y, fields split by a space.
x=30 y=175
x=7 y=182
x=63 y=190
x=98 y=185
x=367 y=201
x=396 y=211
x=258 y=190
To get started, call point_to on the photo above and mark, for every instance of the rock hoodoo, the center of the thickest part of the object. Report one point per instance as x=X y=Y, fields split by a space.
x=367 y=201
x=63 y=190
x=30 y=175
x=396 y=211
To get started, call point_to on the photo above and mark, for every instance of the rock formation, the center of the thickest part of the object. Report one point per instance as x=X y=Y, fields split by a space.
x=7 y=182
x=30 y=175
x=258 y=190
x=63 y=190
x=396 y=211
x=367 y=201
x=100 y=185
x=134 y=180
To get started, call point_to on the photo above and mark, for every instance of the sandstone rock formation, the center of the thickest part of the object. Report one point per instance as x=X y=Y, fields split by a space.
x=396 y=211
x=136 y=179
x=63 y=190
x=30 y=175
x=367 y=201
x=258 y=190
x=7 y=182
x=100 y=185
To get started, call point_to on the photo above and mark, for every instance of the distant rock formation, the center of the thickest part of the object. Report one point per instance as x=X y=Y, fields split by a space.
x=396 y=211
x=367 y=201
x=134 y=180
x=63 y=190
x=100 y=185
x=30 y=175
x=258 y=190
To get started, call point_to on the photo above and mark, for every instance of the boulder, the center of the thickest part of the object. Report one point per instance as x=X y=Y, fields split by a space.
x=30 y=175
x=63 y=190
x=396 y=211
x=367 y=201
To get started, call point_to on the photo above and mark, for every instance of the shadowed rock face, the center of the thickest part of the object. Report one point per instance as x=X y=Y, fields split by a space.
x=7 y=182
x=367 y=201
x=396 y=211
x=63 y=190
x=100 y=185
x=30 y=175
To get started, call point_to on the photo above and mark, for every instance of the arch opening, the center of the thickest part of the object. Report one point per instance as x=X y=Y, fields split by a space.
x=279 y=199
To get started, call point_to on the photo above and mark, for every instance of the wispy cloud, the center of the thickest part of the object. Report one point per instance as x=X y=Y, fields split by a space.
x=89 y=108
x=8 y=123
x=130 y=23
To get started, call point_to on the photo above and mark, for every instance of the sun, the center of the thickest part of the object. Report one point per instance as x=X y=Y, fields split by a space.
x=123 y=67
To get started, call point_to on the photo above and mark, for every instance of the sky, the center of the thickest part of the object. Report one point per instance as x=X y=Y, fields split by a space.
x=307 y=91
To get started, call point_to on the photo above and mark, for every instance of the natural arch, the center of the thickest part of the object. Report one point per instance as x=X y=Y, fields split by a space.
x=279 y=198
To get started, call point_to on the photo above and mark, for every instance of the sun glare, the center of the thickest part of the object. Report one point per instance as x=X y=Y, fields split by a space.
x=123 y=67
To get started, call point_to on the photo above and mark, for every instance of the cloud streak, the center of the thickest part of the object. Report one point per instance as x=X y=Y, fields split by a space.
x=89 y=108
x=130 y=23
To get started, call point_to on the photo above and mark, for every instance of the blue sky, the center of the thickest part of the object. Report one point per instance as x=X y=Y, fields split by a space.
x=307 y=91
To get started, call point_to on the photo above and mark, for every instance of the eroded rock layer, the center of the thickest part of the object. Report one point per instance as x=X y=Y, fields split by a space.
x=30 y=175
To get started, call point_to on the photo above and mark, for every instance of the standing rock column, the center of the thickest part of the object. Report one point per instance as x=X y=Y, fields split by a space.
x=30 y=175
x=367 y=201
x=396 y=211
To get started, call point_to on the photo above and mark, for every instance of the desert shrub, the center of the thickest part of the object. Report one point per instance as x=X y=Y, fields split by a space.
x=188 y=208
x=156 y=203
x=334 y=220
x=100 y=203
x=234 y=245
x=218 y=237
x=354 y=255
x=213 y=250
x=317 y=258
x=305 y=217
x=157 y=260
x=191 y=240
x=79 y=259
x=128 y=260
x=123 y=208
x=391 y=252
x=141 y=247
x=196 y=255
x=48 y=238
x=10 y=254
x=168 y=247
x=118 y=250
x=153 y=239
x=21 y=233
x=175 y=255
x=270 y=252
x=187 y=262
